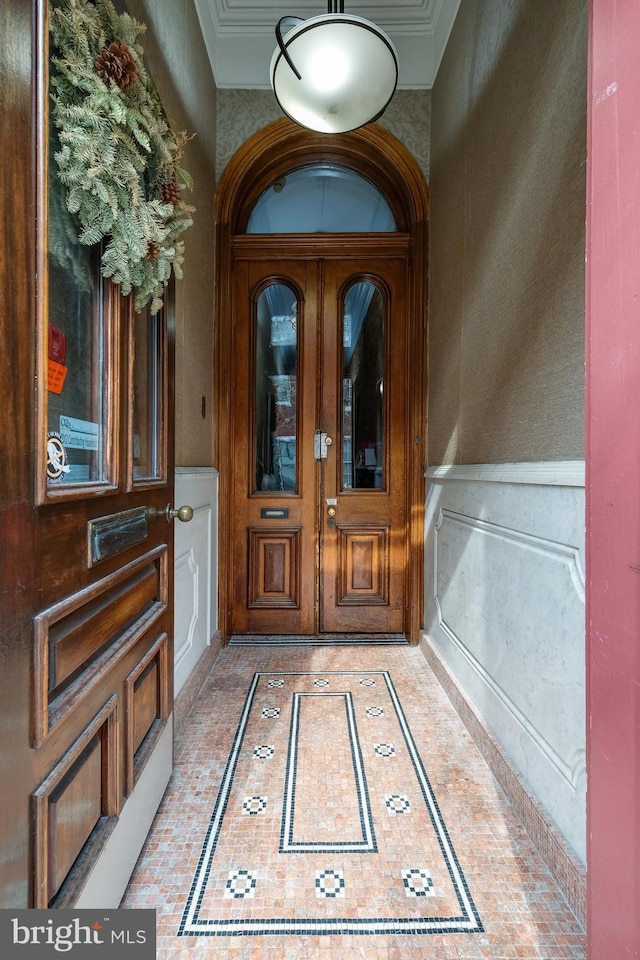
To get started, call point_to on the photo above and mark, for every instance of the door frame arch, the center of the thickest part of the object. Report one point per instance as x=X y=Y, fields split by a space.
x=376 y=154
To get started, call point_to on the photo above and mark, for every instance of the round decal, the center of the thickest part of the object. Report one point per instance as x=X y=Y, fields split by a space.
x=57 y=464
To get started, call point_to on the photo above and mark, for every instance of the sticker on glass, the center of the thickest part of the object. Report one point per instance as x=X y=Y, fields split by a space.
x=57 y=465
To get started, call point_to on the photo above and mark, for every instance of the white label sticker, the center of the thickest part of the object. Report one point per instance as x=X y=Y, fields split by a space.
x=79 y=434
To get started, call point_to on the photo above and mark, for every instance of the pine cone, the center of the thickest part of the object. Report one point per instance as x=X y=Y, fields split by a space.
x=153 y=250
x=170 y=190
x=116 y=63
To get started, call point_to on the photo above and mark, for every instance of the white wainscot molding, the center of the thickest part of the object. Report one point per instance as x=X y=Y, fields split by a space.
x=195 y=569
x=504 y=607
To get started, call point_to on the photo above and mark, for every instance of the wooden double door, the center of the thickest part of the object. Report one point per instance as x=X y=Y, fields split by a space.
x=319 y=439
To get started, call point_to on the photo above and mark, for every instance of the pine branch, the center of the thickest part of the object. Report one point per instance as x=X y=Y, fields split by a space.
x=115 y=146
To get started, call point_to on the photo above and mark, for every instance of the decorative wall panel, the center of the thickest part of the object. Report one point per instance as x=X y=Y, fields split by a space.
x=505 y=609
x=195 y=569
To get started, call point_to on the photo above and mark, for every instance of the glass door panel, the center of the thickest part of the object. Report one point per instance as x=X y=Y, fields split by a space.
x=148 y=391
x=77 y=417
x=275 y=398
x=363 y=411
x=79 y=366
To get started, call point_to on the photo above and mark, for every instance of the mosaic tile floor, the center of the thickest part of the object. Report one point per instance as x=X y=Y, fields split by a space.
x=328 y=803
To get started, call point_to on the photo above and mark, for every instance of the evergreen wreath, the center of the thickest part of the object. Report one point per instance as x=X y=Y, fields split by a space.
x=118 y=159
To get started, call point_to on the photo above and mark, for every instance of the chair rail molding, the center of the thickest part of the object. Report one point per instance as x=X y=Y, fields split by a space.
x=563 y=473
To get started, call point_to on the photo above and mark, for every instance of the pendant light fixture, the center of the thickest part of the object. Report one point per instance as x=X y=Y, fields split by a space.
x=335 y=72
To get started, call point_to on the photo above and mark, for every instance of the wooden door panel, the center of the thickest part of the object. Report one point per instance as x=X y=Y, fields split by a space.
x=274 y=530
x=274 y=569
x=81 y=639
x=77 y=639
x=147 y=700
x=363 y=564
x=74 y=809
x=363 y=545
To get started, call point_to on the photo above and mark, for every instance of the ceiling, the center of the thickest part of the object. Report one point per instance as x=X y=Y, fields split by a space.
x=240 y=35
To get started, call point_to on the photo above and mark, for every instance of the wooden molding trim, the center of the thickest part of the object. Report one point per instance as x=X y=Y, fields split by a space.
x=376 y=154
x=370 y=151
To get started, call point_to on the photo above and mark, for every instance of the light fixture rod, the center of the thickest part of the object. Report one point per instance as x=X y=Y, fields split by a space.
x=281 y=44
x=336 y=6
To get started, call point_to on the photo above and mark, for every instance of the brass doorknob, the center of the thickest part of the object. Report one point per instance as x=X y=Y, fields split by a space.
x=184 y=513
x=170 y=513
x=331 y=511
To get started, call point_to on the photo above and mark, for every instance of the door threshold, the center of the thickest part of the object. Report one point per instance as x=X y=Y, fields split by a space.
x=320 y=639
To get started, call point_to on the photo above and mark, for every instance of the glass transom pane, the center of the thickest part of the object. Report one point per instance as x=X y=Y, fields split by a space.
x=322 y=198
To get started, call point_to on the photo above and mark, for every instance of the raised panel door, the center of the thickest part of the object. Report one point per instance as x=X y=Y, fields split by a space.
x=319 y=445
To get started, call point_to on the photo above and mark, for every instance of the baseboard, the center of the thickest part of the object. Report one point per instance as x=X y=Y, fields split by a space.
x=568 y=871
x=187 y=697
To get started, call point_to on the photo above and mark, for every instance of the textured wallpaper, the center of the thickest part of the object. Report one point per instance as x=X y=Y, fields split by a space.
x=507 y=200
x=243 y=112
x=188 y=92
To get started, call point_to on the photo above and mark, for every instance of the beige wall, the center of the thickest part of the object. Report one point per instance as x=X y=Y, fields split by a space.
x=507 y=186
x=179 y=65
x=243 y=112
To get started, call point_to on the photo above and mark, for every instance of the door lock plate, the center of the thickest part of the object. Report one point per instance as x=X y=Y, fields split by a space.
x=321 y=444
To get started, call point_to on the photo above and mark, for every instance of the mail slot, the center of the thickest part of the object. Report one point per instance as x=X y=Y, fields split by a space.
x=274 y=513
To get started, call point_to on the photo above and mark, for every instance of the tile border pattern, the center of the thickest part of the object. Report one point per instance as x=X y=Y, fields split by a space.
x=367 y=842
x=329 y=883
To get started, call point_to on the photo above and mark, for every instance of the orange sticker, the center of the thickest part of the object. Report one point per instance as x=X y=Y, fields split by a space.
x=57 y=373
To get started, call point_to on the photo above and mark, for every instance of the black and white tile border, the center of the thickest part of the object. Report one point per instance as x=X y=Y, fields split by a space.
x=367 y=841
x=242 y=883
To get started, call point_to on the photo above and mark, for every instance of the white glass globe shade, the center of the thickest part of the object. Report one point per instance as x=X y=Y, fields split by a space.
x=348 y=73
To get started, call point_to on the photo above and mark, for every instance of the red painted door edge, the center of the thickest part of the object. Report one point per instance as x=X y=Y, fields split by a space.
x=613 y=480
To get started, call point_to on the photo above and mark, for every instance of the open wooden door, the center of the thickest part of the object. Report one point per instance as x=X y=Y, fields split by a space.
x=86 y=685
x=320 y=437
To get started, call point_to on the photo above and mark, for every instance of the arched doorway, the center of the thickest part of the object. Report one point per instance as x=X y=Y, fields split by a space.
x=328 y=554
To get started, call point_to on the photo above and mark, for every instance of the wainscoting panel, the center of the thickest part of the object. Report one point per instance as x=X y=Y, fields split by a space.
x=196 y=569
x=504 y=608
